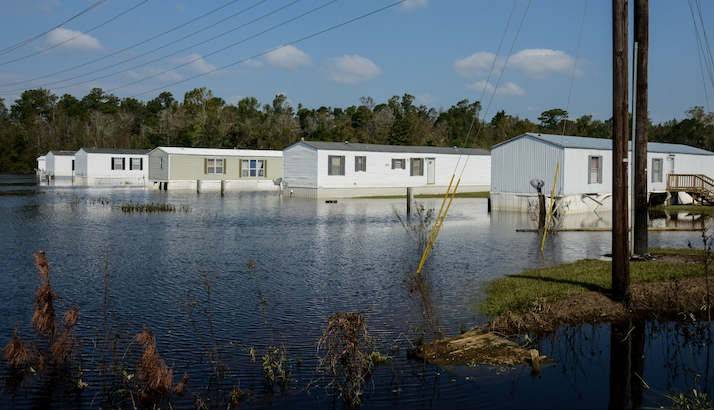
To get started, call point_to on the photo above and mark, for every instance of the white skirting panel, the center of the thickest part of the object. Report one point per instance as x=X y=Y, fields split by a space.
x=568 y=204
x=374 y=192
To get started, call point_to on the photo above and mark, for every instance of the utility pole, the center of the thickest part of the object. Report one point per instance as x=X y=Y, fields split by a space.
x=620 y=248
x=641 y=30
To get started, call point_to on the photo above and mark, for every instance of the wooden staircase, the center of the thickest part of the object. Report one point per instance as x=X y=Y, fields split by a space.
x=699 y=186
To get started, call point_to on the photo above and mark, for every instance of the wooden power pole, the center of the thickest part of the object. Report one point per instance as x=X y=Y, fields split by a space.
x=641 y=31
x=620 y=248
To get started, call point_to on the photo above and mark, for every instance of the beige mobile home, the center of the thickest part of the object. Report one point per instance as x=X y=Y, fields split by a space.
x=212 y=168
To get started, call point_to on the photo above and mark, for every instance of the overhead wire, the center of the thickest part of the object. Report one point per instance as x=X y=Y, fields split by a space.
x=127 y=48
x=268 y=51
x=575 y=65
x=74 y=36
x=22 y=43
x=86 y=74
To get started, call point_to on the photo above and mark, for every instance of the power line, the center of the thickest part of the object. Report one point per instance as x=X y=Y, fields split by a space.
x=575 y=65
x=15 y=46
x=297 y=41
x=53 y=46
x=269 y=29
x=127 y=48
x=163 y=46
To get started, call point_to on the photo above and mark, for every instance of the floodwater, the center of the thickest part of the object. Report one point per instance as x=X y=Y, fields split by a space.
x=256 y=270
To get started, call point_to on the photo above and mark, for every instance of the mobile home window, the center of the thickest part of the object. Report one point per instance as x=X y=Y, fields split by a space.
x=117 y=163
x=417 y=168
x=335 y=165
x=399 y=163
x=594 y=170
x=214 y=165
x=657 y=169
x=361 y=164
x=253 y=168
x=136 y=164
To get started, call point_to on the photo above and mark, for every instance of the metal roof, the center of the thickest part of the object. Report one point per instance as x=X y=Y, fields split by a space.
x=116 y=151
x=350 y=146
x=62 y=153
x=217 y=152
x=570 y=141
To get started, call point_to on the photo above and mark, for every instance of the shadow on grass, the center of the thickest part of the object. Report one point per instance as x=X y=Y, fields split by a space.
x=585 y=285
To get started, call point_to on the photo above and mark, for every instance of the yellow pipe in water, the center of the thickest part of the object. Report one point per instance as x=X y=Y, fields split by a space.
x=549 y=215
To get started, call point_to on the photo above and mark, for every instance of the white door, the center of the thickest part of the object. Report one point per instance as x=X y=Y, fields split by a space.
x=670 y=168
x=430 y=170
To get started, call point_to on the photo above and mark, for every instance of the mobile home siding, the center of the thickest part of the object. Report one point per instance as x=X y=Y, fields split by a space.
x=192 y=168
x=300 y=170
x=158 y=165
x=514 y=164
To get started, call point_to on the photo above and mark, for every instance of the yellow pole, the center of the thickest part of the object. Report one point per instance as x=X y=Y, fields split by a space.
x=438 y=224
x=549 y=215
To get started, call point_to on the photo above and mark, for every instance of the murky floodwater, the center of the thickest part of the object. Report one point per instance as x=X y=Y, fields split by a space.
x=277 y=268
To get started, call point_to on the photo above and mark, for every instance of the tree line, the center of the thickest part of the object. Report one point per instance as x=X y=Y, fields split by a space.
x=40 y=121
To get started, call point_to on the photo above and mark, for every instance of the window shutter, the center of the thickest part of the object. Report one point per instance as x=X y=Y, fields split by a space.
x=265 y=168
x=224 y=166
x=123 y=164
x=141 y=164
x=205 y=165
x=240 y=168
x=111 y=160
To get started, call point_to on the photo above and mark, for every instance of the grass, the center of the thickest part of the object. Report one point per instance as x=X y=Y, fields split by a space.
x=458 y=195
x=520 y=292
x=677 y=252
x=694 y=209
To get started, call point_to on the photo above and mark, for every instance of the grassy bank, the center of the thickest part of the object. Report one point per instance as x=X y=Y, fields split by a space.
x=542 y=299
x=458 y=195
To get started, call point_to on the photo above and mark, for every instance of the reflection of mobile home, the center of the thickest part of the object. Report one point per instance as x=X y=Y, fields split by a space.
x=60 y=163
x=585 y=178
x=343 y=169
x=41 y=169
x=206 y=168
x=111 y=166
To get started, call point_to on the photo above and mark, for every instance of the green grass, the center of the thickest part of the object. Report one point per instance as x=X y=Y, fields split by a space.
x=694 y=209
x=517 y=293
x=677 y=251
x=458 y=195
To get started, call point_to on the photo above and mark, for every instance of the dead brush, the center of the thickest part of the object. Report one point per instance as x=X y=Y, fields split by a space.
x=345 y=355
x=418 y=229
x=23 y=356
x=154 y=376
x=18 y=354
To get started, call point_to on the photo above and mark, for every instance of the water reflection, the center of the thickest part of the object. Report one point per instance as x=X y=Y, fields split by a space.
x=311 y=259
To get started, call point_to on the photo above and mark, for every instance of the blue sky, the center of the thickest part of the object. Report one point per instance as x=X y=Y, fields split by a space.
x=438 y=50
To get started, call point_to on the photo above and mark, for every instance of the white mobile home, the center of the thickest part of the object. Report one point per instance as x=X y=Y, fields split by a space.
x=60 y=164
x=585 y=170
x=111 y=166
x=344 y=169
x=213 y=168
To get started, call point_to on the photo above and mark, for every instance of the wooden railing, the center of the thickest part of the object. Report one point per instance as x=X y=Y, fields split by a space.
x=693 y=183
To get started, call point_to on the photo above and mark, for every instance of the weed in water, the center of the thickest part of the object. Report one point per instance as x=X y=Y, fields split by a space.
x=155 y=376
x=345 y=354
x=694 y=400
x=275 y=363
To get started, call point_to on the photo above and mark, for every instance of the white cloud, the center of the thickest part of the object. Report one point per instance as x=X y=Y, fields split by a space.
x=196 y=63
x=538 y=62
x=507 y=89
x=414 y=4
x=533 y=62
x=288 y=57
x=476 y=64
x=251 y=63
x=72 y=39
x=352 y=69
x=168 y=76
x=425 y=99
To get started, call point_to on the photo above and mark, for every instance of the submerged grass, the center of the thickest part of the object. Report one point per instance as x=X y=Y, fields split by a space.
x=520 y=292
x=458 y=195
x=132 y=207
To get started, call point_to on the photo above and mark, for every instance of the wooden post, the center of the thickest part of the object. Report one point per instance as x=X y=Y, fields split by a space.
x=198 y=186
x=223 y=183
x=541 y=211
x=641 y=32
x=620 y=248
x=410 y=199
